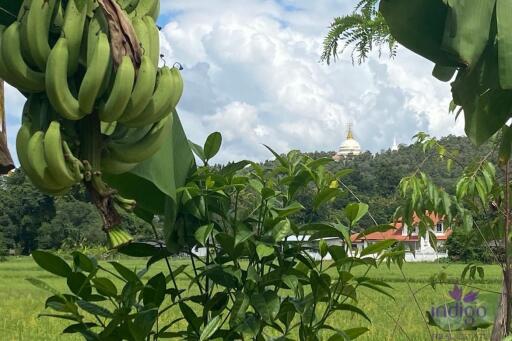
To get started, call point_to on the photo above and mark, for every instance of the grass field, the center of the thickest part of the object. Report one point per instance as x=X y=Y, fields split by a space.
x=398 y=319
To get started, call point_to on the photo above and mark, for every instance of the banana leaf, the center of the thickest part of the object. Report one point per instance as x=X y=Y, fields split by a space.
x=467 y=29
x=503 y=12
x=486 y=107
x=419 y=26
x=153 y=183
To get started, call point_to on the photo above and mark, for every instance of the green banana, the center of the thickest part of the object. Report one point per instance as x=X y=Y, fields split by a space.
x=118 y=99
x=124 y=135
x=95 y=75
x=178 y=80
x=144 y=148
x=154 y=39
x=29 y=79
x=57 y=88
x=58 y=18
x=130 y=5
x=23 y=19
x=111 y=166
x=143 y=89
x=22 y=140
x=147 y=7
x=161 y=101
x=142 y=33
x=54 y=155
x=97 y=24
x=38 y=29
x=73 y=31
x=155 y=13
x=77 y=166
x=37 y=162
x=4 y=70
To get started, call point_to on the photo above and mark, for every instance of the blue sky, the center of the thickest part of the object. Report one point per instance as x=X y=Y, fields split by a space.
x=252 y=72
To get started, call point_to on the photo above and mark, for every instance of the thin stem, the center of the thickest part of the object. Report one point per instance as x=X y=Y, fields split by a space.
x=505 y=243
x=171 y=273
x=195 y=271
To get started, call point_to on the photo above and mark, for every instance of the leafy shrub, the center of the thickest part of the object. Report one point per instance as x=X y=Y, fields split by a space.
x=467 y=246
x=251 y=282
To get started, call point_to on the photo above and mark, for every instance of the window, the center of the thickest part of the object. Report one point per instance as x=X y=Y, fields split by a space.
x=439 y=227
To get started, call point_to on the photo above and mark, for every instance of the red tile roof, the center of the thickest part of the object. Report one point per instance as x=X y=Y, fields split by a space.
x=396 y=232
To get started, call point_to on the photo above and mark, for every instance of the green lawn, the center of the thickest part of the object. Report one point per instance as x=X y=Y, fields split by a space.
x=20 y=302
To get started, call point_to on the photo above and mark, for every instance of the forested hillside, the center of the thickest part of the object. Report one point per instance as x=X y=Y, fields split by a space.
x=29 y=219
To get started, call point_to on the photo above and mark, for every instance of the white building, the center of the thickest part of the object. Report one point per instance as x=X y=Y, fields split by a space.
x=349 y=147
x=423 y=250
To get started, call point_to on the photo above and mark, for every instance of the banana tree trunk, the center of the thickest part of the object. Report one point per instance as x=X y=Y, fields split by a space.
x=6 y=163
x=499 y=329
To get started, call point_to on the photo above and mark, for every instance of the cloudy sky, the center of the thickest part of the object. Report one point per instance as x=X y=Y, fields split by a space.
x=252 y=72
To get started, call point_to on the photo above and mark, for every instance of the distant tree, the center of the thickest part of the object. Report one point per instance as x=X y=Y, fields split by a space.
x=24 y=209
x=3 y=246
x=76 y=223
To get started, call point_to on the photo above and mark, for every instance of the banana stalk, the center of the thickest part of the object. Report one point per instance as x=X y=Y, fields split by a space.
x=102 y=196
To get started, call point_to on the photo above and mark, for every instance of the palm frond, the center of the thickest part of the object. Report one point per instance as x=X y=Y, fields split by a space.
x=364 y=30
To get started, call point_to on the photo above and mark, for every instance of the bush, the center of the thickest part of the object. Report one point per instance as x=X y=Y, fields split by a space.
x=467 y=246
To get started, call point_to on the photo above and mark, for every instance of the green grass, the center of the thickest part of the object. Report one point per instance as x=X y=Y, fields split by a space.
x=20 y=302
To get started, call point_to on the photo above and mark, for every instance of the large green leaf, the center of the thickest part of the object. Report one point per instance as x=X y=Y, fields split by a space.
x=52 y=263
x=266 y=304
x=419 y=26
x=486 y=106
x=503 y=10
x=355 y=212
x=467 y=28
x=212 y=145
x=154 y=182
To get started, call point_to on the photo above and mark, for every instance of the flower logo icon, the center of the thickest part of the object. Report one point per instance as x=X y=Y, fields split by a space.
x=457 y=294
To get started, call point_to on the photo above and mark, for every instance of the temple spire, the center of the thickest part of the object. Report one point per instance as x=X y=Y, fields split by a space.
x=394 y=148
x=350 y=134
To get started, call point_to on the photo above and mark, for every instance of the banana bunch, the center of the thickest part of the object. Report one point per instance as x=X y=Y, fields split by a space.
x=63 y=53
x=95 y=103
x=44 y=155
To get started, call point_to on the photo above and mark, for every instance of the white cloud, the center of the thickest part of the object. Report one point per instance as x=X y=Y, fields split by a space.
x=252 y=72
x=264 y=56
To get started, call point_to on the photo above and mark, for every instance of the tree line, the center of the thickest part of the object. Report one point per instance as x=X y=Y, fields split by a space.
x=31 y=220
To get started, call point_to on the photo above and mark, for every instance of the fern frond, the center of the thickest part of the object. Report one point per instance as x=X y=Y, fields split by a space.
x=364 y=30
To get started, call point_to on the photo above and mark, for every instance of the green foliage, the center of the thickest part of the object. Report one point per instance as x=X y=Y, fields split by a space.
x=73 y=223
x=30 y=220
x=468 y=246
x=23 y=210
x=473 y=210
x=3 y=247
x=364 y=30
x=152 y=184
x=252 y=282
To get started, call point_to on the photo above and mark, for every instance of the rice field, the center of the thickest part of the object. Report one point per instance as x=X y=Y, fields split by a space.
x=399 y=319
